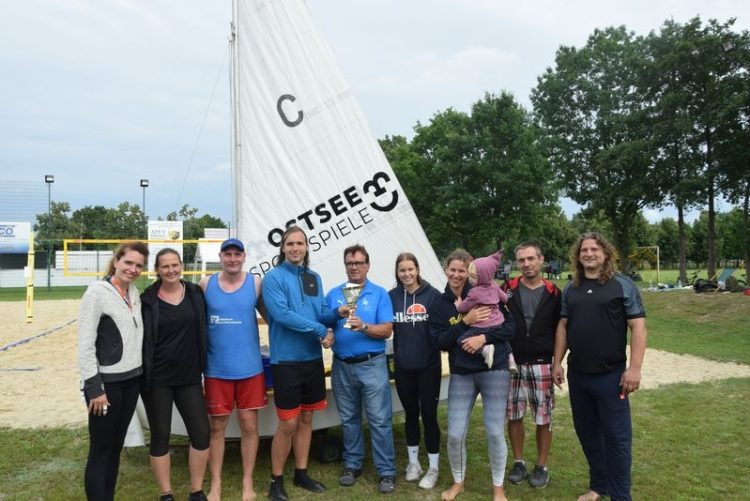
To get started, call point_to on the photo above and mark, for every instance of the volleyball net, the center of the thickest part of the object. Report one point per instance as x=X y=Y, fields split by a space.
x=91 y=257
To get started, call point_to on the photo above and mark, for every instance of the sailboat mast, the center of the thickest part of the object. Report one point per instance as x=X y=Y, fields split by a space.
x=234 y=106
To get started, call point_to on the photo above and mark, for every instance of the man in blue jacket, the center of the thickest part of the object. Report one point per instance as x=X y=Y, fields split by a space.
x=298 y=321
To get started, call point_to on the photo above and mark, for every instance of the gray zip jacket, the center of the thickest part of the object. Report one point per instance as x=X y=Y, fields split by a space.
x=110 y=337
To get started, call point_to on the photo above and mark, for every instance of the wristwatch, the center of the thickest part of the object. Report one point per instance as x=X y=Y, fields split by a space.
x=364 y=328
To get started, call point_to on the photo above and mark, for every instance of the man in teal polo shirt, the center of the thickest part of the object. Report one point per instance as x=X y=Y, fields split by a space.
x=360 y=373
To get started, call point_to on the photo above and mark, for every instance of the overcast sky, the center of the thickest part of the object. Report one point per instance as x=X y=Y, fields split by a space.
x=102 y=93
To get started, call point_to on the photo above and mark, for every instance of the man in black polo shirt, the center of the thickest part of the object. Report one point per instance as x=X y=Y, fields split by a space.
x=598 y=308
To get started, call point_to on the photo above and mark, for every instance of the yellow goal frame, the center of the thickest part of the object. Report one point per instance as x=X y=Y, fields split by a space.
x=114 y=242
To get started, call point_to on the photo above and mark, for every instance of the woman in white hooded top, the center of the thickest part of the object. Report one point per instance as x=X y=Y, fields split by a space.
x=110 y=338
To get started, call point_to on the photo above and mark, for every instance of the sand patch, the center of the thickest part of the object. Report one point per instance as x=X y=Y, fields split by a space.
x=40 y=378
x=41 y=385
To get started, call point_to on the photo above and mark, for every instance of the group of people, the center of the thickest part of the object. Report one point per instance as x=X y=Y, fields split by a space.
x=197 y=347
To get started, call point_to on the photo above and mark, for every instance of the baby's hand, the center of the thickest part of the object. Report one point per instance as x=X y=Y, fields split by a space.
x=457 y=302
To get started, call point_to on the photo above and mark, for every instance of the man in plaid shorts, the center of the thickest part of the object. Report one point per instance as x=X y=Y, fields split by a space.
x=535 y=305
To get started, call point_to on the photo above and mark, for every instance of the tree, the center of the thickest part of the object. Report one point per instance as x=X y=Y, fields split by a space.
x=404 y=160
x=738 y=191
x=734 y=151
x=123 y=222
x=668 y=239
x=54 y=226
x=460 y=166
x=699 y=234
x=185 y=212
x=516 y=180
x=678 y=160
x=126 y=222
x=192 y=226
x=716 y=83
x=644 y=234
x=596 y=135
x=444 y=149
x=734 y=232
x=87 y=222
x=589 y=219
x=698 y=249
x=550 y=229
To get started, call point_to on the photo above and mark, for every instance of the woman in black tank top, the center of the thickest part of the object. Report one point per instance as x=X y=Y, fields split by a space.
x=174 y=352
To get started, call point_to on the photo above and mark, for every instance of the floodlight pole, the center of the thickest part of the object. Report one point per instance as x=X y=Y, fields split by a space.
x=49 y=179
x=144 y=185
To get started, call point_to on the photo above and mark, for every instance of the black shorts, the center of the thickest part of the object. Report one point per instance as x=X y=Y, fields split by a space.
x=298 y=386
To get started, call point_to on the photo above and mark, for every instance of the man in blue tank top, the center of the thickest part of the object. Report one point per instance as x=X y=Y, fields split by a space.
x=234 y=369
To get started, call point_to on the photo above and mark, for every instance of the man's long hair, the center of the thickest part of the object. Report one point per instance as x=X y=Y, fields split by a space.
x=610 y=258
x=289 y=231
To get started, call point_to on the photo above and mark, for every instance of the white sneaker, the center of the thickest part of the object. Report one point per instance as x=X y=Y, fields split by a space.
x=489 y=355
x=430 y=479
x=413 y=471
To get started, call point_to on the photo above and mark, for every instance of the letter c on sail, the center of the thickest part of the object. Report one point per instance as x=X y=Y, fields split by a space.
x=287 y=122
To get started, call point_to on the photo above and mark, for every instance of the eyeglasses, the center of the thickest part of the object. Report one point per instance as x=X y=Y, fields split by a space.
x=354 y=264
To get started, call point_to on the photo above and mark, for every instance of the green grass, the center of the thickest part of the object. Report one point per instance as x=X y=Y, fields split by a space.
x=679 y=454
x=41 y=293
x=671 y=276
x=666 y=276
x=709 y=325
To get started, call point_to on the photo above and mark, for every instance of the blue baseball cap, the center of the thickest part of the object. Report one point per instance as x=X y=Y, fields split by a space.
x=232 y=242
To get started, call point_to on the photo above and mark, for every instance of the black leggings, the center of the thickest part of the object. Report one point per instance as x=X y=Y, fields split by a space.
x=420 y=391
x=190 y=404
x=106 y=438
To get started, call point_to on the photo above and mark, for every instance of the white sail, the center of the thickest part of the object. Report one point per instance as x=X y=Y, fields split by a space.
x=303 y=153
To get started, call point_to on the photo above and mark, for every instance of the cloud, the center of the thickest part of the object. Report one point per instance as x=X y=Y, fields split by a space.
x=431 y=73
x=102 y=93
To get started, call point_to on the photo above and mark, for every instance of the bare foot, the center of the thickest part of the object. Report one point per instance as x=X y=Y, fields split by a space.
x=214 y=495
x=589 y=496
x=498 y=493
x=453 y=491
x=249 y=495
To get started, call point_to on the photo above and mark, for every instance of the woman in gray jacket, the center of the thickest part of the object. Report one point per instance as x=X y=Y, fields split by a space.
x=110 y=337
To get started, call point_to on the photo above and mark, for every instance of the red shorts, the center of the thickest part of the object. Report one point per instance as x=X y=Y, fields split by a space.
x=222 y=394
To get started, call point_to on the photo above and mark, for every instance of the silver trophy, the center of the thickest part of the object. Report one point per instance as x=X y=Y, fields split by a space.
x=351 y=294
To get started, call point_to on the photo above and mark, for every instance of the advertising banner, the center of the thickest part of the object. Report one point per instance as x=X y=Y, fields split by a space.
x=14 y=238
x=167 y=234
